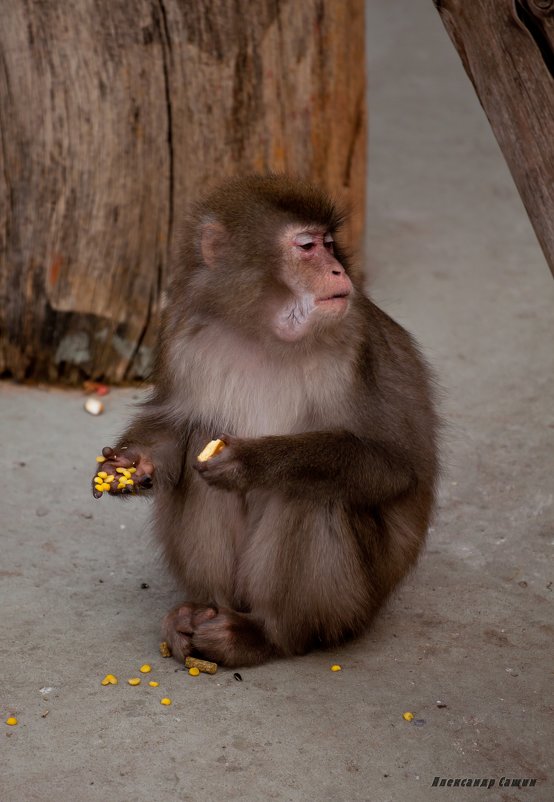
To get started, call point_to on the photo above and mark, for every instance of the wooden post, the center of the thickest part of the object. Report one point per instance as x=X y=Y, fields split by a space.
x=114 y=116
x=507 y=49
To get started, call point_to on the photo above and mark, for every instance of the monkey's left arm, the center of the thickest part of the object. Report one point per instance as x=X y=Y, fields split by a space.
x=326 y=465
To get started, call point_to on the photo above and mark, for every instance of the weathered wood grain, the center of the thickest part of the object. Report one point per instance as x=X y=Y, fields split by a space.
x=114 y=115
x=507 y=49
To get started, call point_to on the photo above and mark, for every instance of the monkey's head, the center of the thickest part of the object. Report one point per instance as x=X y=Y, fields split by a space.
x=265 y=258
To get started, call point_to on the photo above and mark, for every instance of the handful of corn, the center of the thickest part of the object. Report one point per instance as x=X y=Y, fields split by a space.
x=104 y=482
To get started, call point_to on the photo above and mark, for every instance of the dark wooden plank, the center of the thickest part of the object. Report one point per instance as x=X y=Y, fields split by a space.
x=507 y=49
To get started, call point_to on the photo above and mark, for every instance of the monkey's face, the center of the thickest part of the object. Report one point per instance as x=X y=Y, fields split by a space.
x=318 y=288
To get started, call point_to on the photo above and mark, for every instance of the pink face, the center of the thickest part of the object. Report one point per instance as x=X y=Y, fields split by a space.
x=320 y=288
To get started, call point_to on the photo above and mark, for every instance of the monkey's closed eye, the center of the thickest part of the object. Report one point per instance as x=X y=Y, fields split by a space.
x=307 y=246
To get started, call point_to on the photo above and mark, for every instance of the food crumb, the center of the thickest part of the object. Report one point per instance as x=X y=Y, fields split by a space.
x=205 y=666
x=165 y=651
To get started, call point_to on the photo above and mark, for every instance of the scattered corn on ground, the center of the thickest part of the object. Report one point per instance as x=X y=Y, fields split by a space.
x=194 y=665
x=407 y=716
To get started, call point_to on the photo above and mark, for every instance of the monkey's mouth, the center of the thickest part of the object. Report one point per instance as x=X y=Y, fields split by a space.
x=338 y=296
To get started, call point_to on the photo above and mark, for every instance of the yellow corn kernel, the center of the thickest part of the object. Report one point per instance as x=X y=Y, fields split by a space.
x=194 y=672
x=126 y=473
x=213 y=448
x=336 y=668
x=165 y=701
x=102 y=474
x=407 y=716
x=134 y=681
x=120 y=486
x=132 y=470
x=165 y=651
x=110 y=478
x=153 y=683
x=104 y=486
x=109 y=679
x=145 y=669
x=120 y=470
x=100 y=459
x=11 y=720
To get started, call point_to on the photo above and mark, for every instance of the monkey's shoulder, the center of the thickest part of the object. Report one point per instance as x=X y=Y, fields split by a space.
x=387 y=342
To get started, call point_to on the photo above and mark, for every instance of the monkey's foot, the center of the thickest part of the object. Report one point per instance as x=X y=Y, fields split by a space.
x=179 y=625
x=126 y=472
x=222 y=635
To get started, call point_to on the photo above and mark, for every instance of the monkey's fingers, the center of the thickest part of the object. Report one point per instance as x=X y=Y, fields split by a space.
x=228 y=439
x=122 y=458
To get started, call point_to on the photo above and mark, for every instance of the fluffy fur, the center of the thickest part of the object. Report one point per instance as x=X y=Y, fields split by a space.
x=319 y=505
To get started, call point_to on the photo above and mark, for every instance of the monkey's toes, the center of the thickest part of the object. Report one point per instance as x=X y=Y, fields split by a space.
x=179 y=625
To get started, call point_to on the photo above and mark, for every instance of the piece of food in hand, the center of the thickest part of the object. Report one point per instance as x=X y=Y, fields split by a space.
x=213 y=448
x=202 y=665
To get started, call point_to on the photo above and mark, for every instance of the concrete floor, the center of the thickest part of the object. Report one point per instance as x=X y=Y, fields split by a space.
x=452 y=257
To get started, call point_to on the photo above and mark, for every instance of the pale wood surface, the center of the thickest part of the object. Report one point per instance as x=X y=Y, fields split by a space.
x=114 y=115
x=507 y=49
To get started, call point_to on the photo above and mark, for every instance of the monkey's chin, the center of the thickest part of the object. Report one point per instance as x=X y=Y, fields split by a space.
x=323 y=316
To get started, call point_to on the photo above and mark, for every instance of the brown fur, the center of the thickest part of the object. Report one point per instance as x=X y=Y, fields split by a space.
x=296 y=533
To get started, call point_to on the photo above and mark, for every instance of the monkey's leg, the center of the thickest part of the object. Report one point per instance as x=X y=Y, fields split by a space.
x=225 y=636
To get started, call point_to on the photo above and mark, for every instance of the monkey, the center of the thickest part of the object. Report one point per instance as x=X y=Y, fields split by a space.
x=294 y=535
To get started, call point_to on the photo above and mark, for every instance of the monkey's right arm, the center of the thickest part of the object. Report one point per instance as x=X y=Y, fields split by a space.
x=150 y=447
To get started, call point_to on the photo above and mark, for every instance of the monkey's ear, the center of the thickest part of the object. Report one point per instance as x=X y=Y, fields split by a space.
x=212 y=239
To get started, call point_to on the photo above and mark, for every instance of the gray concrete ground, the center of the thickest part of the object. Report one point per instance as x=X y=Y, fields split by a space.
x=452 y=257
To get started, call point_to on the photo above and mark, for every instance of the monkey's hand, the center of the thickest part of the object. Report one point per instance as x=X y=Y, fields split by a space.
x=227 y=470
x=132 y=482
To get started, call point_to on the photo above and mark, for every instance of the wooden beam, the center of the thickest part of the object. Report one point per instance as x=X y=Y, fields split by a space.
x=507 y=49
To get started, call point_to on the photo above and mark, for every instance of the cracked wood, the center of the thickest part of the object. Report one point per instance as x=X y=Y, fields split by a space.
x=114 y=116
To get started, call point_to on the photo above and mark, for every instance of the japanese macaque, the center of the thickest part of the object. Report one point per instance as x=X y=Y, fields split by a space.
x=292 y=536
